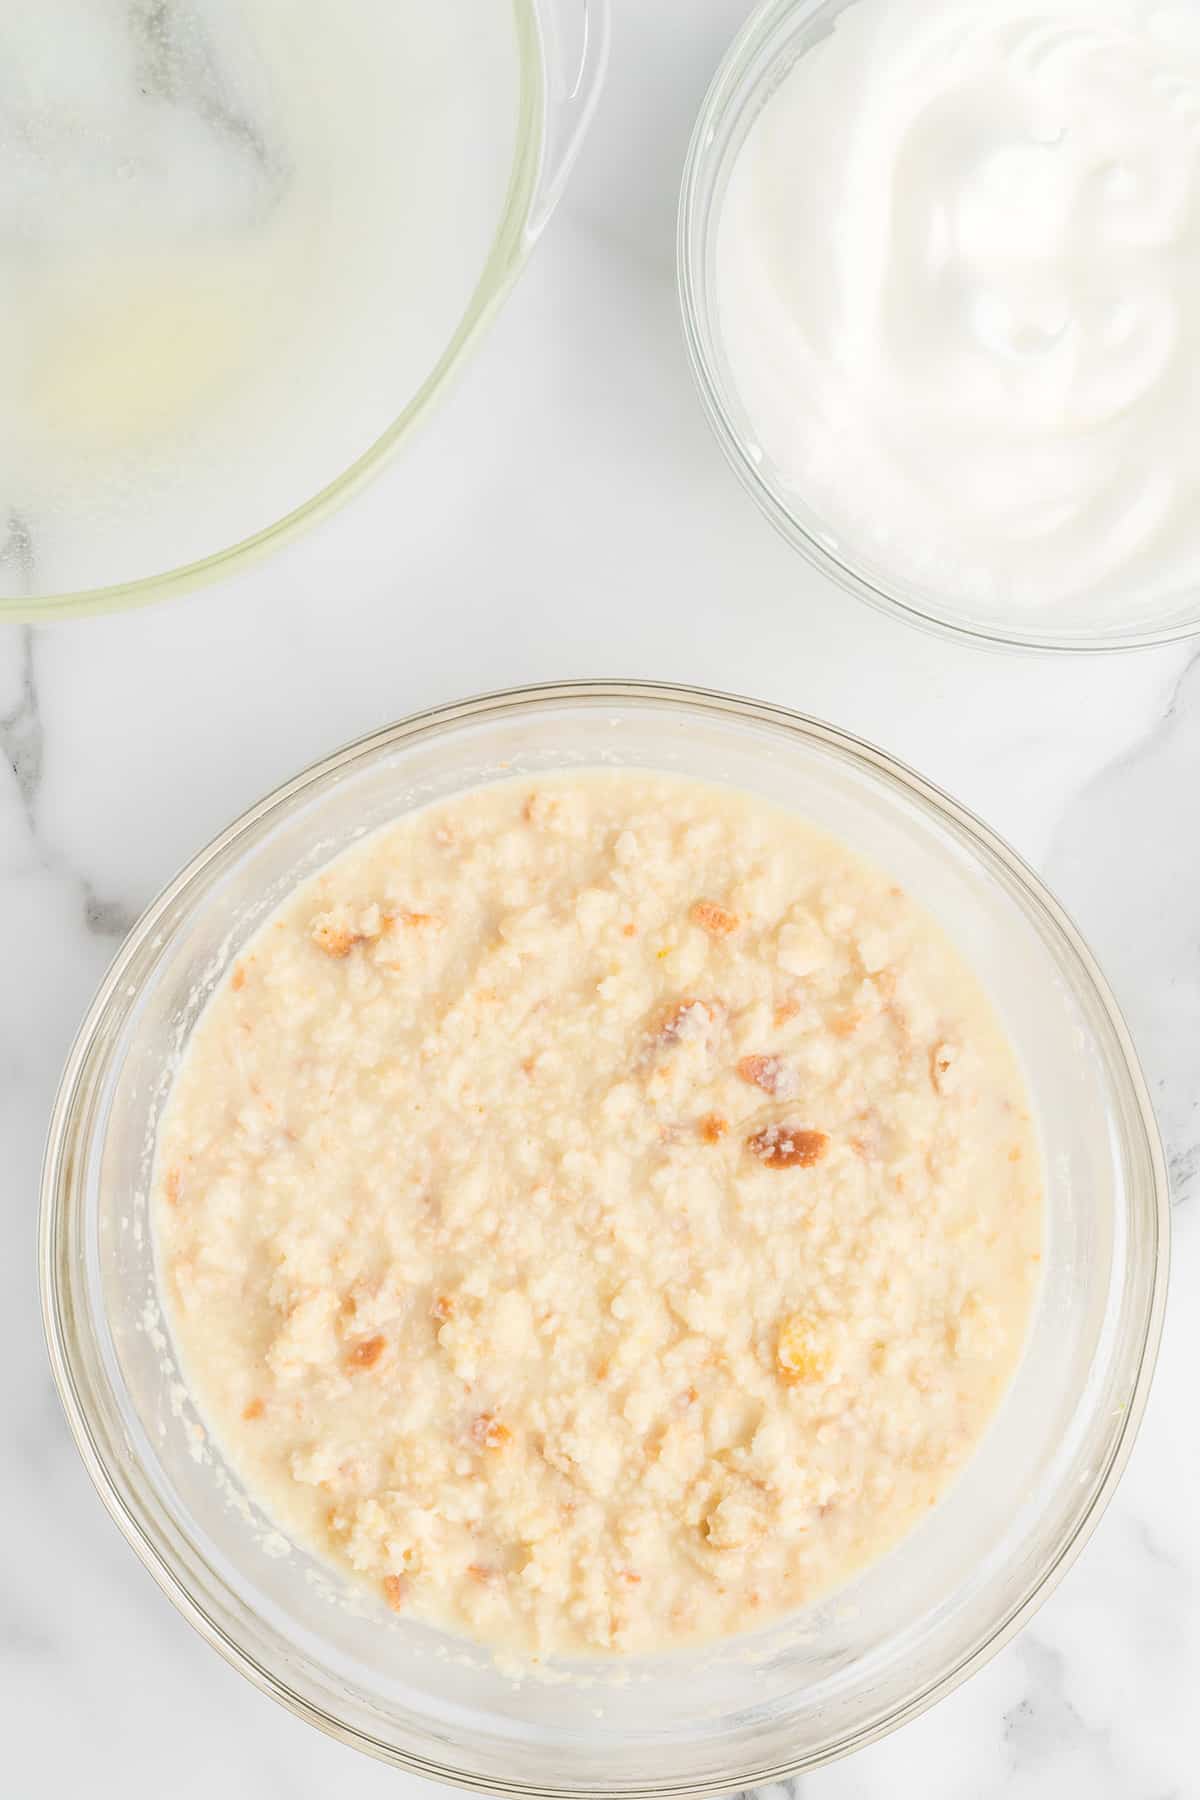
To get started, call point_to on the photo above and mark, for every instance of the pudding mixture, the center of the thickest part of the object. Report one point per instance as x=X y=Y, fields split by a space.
x=598 y=1214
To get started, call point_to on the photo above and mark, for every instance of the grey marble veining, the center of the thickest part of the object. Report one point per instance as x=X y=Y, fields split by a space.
x=22 y=747
x=21 y=737
x=566 y=513
x=178 y=61
x=17 y=555
x=1126 y=857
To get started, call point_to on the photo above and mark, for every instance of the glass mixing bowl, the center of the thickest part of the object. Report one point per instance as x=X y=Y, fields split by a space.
x=775 y=36
x=177 y=517
x=754 y=1709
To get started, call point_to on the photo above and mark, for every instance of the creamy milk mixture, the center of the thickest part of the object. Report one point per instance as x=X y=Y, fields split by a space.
x=235 y=237
x=599 y=1214
x=959 y=287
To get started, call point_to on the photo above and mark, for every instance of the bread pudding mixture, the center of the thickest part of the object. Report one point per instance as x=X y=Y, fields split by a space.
x=600 y=1213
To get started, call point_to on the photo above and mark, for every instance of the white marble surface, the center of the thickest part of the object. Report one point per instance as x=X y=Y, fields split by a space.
x=566 y=513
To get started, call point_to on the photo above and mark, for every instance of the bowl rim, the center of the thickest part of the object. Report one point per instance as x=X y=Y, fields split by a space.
x=499 y=703
x=730 y=86
x=507 y=253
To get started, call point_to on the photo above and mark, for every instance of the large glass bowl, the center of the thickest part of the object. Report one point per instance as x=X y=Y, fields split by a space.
x=775 y=36
x=764 y=1706
x=561 y=49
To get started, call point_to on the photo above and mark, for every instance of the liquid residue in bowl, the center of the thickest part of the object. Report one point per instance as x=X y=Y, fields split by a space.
x=236 y=236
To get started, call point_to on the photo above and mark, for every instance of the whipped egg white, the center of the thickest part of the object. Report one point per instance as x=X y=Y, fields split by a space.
x=958 y=277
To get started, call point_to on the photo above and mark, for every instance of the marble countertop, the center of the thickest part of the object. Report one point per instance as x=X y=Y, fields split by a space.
x=566 y=513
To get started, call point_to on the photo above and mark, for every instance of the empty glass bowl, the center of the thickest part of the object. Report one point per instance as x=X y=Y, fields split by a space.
x=754 y=1709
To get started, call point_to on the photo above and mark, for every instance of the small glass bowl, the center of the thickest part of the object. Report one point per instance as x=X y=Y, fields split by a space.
x=758 y=1708
x=776 y=35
